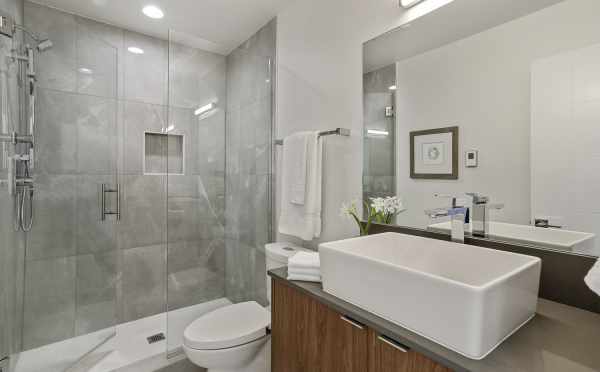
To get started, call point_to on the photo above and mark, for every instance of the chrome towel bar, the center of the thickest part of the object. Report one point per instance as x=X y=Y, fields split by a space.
x=338 y=132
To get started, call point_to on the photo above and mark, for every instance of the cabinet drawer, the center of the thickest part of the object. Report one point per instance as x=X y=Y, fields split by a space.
x=388 y=355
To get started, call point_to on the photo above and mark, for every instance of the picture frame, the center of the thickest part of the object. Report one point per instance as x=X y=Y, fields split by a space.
x=434 y=154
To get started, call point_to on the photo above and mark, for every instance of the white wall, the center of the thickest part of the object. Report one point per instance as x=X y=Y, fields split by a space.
x=319 y=87
x=565 y=134
x=482 y=85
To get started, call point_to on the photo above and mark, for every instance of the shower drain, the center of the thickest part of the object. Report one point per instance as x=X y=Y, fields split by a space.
x=155 y=338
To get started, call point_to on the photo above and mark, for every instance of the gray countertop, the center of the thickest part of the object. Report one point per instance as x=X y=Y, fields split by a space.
x=560 y=338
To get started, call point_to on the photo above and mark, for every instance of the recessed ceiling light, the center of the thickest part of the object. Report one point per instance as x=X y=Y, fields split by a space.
x=135 y=50
x=393 y=87
x=153 y=11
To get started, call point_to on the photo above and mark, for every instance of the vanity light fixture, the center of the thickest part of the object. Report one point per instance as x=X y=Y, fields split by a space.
x=135 y=50
x=206 y=108
x=409 y=3
x=153 y=12
x=393 y=87
x=376 y=132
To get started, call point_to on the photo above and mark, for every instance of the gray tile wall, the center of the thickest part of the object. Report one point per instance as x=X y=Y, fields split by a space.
x=81 y=274
x=379 y=178
x=248 y=168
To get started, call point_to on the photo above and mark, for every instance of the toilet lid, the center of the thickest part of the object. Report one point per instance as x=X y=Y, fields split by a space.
x=228 y=326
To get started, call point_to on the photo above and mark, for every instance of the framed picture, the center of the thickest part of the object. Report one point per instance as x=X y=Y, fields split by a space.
x=434 y=154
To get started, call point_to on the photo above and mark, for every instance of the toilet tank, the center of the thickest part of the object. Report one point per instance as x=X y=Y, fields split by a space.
x=277 y=255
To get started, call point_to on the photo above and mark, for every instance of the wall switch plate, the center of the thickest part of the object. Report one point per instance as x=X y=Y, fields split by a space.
x=389 y=111
x=7 y=24
x=472 y=158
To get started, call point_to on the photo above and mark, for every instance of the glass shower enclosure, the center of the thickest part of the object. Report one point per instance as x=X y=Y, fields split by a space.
x=135 y=187
x=60 y=203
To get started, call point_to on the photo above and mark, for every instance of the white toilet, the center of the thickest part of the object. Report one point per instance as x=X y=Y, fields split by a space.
x=235 y=338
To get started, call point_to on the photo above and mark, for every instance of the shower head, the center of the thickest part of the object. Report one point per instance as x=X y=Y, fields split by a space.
x=44 y=45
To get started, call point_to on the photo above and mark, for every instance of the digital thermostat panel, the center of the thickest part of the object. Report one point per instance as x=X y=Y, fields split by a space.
x=472 y=158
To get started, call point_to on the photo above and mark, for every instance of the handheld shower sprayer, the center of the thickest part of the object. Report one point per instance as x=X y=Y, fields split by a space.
x=22 y=181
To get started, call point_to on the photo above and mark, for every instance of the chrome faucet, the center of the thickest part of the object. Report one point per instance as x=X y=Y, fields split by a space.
x=480 y=225
x=458 y=216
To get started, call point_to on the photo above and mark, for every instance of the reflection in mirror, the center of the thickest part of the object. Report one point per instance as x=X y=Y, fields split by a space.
x=521 y=82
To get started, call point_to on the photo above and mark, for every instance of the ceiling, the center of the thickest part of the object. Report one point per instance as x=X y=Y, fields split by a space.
x=452 y=22
x=216 y=25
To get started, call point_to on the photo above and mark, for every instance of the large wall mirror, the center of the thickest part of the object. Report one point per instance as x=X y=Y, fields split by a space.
x=495 y=97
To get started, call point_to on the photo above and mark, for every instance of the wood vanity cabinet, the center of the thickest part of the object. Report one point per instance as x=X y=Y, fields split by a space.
x=386 y=355
x=308 y=336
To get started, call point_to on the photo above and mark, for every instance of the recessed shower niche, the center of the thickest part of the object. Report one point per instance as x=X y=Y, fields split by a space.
x=163 y=153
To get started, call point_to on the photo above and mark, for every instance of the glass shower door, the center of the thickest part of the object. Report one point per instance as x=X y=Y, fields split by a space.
x=71 y=259
x=195 y=170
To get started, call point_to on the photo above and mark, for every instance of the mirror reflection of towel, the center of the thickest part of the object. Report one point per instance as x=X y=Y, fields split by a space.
x=592 y=279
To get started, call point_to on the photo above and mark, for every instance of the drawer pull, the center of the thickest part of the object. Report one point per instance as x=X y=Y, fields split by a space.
x=394 y=344
x=352 y=321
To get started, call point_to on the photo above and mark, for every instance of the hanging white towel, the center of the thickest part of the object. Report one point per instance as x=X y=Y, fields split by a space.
x=295 y=159
x=301 y=217
x=592 y=279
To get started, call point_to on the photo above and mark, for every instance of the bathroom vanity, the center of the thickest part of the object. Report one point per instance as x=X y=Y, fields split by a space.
x=315 y=331
x=308 y=335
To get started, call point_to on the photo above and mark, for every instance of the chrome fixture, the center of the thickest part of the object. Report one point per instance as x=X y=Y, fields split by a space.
x=545 y=223
x=480 y=225
x=459 y=216
x=20 y=182
x=338 y=132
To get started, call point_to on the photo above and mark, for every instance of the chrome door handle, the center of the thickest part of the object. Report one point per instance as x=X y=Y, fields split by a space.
x=396 y=345
x=353 y=322
x=103 y=210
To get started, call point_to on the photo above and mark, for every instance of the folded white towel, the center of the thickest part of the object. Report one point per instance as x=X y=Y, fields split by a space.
x=301 y=200
x=304 y=278
x=592 y=279
x=298 y=270
x=306 y=260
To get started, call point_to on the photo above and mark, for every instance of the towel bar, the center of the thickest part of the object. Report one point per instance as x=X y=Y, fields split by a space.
x=338 y=131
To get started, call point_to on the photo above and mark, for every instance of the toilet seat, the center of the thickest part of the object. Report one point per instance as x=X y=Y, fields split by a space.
x=228 y=327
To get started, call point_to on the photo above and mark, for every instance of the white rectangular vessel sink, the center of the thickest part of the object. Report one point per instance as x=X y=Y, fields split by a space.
x=575 y=241
x=466 y=298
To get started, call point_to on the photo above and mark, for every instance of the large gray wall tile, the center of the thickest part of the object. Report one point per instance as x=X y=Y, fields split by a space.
x=56 y=67
x=56 y=132
x=49 y=301
x=97 y=64
x=196 y=77
x=145 y=78
x=248 y=165
x=96 y=135
x=54 y=230
x=96 y=294
x=144 y=285
x=143 y=221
